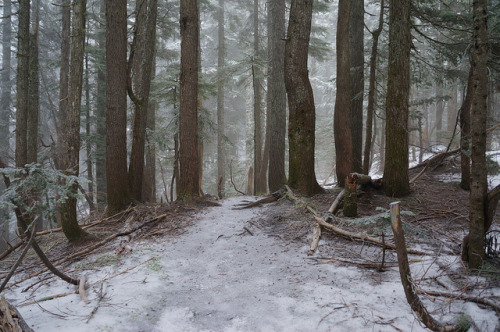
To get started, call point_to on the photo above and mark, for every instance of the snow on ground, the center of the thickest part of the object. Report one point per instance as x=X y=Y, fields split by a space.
x=218 y=277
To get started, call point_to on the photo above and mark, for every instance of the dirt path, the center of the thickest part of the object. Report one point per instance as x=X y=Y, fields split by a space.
x=219 y=277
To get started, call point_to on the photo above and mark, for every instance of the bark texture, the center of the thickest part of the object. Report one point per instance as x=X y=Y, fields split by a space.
x=465 y=132
x=396 y=182
x=71 y=131
x=276 y=107
x=118 y=196
x=356 y=52
x=141 y=58
x=479 y=184
x=221 y=150
x=302 y=119
x=342 y=112
x=372 y=92
x=188 y=184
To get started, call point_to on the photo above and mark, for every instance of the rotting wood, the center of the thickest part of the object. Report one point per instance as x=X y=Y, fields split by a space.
x=350 y=196
x=405 y=274
x=81 y=290
x=315 y=239
x=10 y=318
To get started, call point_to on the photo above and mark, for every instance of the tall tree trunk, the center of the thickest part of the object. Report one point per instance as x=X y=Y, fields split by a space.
x=34 y=92
x=118 y=195
x=63 y=77
x=100 y=153
x=396 y=182
x=88 y=144
x=221 y=149
x=356 y=53
x=189 y=160
x=372 y=91
x=259 y=182
x=142 y=55
x=302 y=118
x=479 y=111
x=465 y=147
x=439 y=110
x=149 y=181
x=276 y=107
x=5 y=104
x=22 y=81
x=342 y=112
x=71 y=159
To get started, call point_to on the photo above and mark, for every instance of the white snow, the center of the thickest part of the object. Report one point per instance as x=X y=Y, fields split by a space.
x=218 y=277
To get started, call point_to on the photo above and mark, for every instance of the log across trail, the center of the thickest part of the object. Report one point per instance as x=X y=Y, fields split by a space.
x=231 y=270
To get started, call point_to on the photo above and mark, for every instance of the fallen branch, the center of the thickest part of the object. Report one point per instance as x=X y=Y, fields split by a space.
x=315 y=239
x=11 y=249
x=231 y=177
x=462 y=297
x=99 y=299
x=268 y=199
x=48 y=298
x=362 y=237
x=405 y=274
x=430 y=161
x=93 y=247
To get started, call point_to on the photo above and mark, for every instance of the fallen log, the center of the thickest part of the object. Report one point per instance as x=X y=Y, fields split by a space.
x=268 y=199
x=362 y=237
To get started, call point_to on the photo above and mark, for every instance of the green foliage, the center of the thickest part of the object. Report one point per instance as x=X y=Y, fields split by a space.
x=34 y=188
x=492 y=165
x=463 y=323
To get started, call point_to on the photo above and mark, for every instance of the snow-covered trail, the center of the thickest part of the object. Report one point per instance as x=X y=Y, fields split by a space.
x=218 y=277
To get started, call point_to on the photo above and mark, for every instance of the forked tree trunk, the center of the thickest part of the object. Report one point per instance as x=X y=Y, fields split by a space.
x=71 y=159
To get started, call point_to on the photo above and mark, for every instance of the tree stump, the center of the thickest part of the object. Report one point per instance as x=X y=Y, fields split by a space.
x=351 y=197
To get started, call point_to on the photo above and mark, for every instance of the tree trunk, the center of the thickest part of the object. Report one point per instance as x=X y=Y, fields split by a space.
x=372 y=91
x=149 y=182
x=221 y=149
x=5 y=104
x=141 y=58
x=276 y=107
x=88 y=144
x=396 y=182
x=23 y=37
x=479 y=110
x=357 y=63
x=100 y=153
x=118 y=196
x=302 y=119
x=259 y=182
x=188 y=185
x=71 y=131
x=465 y=129
x=342 y=112
x=63 y=74
x=34 y=94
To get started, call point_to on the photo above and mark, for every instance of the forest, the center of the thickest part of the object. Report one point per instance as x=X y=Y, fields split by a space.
x=129 y=126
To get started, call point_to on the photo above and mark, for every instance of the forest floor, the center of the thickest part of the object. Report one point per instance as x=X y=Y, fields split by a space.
x=217 y=268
